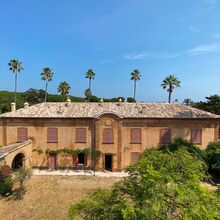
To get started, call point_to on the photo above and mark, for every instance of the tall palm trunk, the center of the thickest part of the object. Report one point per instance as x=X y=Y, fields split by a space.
x=45 y=100
x=89 y=90
x=170 y=91
x=135 y=90
x=16 y=78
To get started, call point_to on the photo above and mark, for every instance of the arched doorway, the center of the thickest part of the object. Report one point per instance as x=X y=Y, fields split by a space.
x=18 y=161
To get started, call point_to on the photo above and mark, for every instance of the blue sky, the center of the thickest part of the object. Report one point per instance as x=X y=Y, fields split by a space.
x=113 y=37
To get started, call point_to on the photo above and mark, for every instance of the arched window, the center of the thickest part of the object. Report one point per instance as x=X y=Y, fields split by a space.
x=135 y=135
x=52 y=135
x=22 y=134
x=108 y=136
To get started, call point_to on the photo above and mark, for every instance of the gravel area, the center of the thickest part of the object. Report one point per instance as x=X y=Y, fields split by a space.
x=79 y=173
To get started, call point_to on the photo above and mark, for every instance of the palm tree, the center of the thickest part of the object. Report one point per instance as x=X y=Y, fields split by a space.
x=15 y=66
x=135 y=75
x=90 y=75
x=46 y=75
x=64 y=88
x=187 y=101
x=170 y=82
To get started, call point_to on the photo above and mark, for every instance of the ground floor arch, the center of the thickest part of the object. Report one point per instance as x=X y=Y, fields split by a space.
x=18 y=161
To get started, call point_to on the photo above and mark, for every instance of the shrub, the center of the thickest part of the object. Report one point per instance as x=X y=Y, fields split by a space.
x=213 y=157
x=6 y=185
x=180 y=143
x=5 y=171
x=161 y=185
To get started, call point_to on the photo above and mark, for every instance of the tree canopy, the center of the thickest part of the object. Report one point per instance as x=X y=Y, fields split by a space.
x=161 y=185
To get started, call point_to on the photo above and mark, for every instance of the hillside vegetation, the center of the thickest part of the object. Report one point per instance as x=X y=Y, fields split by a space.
x=34 y=96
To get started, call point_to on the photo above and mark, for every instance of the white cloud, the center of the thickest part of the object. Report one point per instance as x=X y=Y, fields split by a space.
x=203 y=49
x=137 y=56
x=147 y=55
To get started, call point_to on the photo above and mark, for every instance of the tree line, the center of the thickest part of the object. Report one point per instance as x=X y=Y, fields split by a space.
x=16 y=66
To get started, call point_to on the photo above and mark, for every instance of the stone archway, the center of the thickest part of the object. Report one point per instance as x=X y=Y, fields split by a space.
x=18 y=161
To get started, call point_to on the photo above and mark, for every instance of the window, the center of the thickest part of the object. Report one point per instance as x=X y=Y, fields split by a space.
x=135 y=135
x=165 y=136
x=196 y=136
x=80 y=135
x=52 y=135
x=134 y=157
x=22 y=134
x=108 y=136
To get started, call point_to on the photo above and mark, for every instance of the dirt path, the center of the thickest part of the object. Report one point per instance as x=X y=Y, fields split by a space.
x=49 y=197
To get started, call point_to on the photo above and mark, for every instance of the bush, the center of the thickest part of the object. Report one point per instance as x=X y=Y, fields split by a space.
x=161 y=185
x=6 y=185
x=213 y=157
x=180 y=143
x=5 y=171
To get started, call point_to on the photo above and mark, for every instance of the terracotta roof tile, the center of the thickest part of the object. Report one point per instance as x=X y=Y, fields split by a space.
x=123 y=110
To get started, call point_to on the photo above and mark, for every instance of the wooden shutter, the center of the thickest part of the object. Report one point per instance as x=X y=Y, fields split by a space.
x=135 y=135
x=108 y=136
x=53 y=162
x=52 y=135
x=80 y=135
x=165 y=136
x=22 y=134
x=196 y=136
x=134 y=157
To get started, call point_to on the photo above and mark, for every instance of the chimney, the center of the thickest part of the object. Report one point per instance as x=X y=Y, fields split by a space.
x=13 y=106
x=60 y=109
x=101 y=102
x=68 y=101
x=120 y=101
x=26 y=105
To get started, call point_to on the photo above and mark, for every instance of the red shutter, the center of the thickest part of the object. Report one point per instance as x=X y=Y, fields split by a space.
x=196 y=136
x=53 y=162
x=135 y=135
x=80 y=135
x=134 y=157
x=165 y=136
x=108 y=136
x=22 y=134
x=52 y=135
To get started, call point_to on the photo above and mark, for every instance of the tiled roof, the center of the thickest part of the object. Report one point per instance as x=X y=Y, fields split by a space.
x=123 y=110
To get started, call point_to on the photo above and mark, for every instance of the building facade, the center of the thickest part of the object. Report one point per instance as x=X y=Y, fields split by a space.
x=120 y=131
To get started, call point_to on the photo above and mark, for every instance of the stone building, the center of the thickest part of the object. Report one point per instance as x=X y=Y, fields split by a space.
x=121 y=131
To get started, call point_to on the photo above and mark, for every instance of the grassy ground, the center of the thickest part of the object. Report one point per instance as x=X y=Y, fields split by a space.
x=49 y=197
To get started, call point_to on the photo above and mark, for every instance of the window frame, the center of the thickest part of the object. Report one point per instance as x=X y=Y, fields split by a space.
x=103 y=136
x=76 y=135
x=191 y=138
x=49 y=140
x=18 y=134
x=131 y=136
x=170 y=136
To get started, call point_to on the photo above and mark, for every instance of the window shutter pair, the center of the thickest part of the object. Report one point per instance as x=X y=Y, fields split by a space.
x=196 y=136
x=135 y=135
x=22 y=134
x=108 y=136
x=165 y=136
x=80 y=135
x=52 y=135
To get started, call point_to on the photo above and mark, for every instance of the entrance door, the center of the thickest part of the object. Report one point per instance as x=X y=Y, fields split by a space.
x=52 y=162
x=108 y=162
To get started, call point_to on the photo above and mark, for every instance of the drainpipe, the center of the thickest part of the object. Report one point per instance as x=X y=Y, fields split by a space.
x=93 y=145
